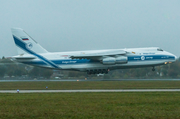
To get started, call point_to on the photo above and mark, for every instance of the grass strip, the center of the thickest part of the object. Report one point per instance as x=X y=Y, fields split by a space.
x=90 y=105
x=90 y=85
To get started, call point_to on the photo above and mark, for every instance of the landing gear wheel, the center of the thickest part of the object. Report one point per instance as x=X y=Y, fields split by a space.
x=153 y=69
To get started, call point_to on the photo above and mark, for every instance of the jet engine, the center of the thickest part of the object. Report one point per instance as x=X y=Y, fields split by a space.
x=115 y=60
x=121 y=60
x=109 y=61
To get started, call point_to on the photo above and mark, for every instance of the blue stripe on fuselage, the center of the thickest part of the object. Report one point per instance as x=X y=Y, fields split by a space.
x=84 y=61
x=150 y=57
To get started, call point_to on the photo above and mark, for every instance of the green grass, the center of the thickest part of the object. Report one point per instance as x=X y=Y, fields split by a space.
x=90 y=105
x=90 y=85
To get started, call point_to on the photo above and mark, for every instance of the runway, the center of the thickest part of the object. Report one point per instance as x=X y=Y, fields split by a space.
x=89 y=91
x=75 y=80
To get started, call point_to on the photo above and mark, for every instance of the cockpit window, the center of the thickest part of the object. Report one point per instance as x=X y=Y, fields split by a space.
x=159 y=49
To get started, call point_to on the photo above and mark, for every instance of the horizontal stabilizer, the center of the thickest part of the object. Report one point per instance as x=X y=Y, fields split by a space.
x=26 y=58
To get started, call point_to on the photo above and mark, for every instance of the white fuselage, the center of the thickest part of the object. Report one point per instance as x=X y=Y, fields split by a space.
x=136 y=57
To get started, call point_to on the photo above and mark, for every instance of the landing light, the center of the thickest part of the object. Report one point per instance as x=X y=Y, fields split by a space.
x=167 y=62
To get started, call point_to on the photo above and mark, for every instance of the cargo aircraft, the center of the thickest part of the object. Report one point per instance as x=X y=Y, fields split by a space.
x=92 y=61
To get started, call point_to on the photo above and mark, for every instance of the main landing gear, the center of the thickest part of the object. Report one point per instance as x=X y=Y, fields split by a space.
x=97 y=71
x=153 y=69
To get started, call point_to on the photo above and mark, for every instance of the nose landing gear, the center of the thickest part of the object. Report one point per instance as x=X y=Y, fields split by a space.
x=153 y=69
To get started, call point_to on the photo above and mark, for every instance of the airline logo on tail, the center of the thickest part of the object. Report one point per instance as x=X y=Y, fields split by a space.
x=29 y=45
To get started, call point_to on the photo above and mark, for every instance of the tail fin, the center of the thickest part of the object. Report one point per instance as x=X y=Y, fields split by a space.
x=25 y=44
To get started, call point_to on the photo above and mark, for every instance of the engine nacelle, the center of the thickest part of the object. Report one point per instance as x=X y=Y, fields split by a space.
x=121 y=60
x=115 y=60
x=109 y=61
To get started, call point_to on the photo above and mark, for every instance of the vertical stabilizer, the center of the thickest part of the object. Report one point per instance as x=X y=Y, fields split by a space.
x=25 y=44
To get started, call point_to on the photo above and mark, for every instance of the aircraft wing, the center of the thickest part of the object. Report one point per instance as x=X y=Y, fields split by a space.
x=98 y=55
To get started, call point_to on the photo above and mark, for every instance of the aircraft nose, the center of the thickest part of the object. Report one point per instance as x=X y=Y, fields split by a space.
x=176 y=58
x=173 y=57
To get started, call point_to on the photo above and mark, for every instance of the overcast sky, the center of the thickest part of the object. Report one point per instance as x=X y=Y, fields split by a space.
x=72 y=25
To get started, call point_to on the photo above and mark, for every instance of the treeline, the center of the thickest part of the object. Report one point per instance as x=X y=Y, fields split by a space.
x=9 y=68
x=18 y=70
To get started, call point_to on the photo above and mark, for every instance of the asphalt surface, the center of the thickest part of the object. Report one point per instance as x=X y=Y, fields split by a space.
x=50 y=80
x=74 y=91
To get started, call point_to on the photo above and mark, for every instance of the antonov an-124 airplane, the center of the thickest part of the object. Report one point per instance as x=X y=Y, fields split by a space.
x=92 y=61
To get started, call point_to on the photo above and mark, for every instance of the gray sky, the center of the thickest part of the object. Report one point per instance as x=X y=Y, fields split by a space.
x=72 y=25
